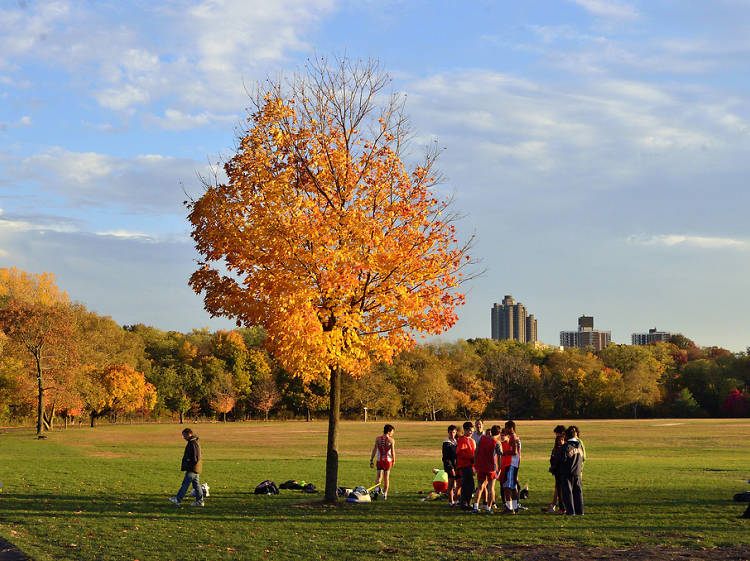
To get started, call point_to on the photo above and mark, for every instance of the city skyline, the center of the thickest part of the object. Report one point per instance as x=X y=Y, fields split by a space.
x=591 y=146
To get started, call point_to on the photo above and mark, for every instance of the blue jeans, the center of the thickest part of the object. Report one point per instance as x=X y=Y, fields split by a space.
x=195 y=479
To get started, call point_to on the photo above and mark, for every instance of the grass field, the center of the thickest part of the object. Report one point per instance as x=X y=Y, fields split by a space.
x=101 y=493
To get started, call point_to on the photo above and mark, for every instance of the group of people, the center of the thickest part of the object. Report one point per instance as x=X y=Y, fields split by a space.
x=493 y=455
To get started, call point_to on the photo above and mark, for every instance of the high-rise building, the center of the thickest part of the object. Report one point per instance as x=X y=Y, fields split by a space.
x=510 y=321
x=653 y=336
x=586 y=336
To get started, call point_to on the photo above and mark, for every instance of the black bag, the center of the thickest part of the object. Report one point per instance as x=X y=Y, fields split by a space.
x=309 y=488
x=288 y=484
x=742 y=497
x=267 y=487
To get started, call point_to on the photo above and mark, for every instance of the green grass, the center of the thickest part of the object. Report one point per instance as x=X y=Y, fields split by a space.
x=86 y=494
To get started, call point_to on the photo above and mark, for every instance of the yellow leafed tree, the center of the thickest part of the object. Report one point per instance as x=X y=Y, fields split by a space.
x=322 y=236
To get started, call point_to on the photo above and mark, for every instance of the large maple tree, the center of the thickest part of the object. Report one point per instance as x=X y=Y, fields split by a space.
x=320 y=233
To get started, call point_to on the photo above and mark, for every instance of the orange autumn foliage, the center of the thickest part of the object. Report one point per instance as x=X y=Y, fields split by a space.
x=322 y=236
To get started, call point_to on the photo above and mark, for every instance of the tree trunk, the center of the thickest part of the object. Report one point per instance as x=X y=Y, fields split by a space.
x=365 y=409
x=93 y=419
x=40 y=394
x=65 y=421
x=182 y=417
x=225 y=416
x=266 y=419
x=309 y=416
x=332 y=455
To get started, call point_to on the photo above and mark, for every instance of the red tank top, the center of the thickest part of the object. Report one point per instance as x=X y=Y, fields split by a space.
x=384 y=448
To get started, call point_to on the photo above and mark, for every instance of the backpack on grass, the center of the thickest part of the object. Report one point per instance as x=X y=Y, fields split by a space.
x=266 y=487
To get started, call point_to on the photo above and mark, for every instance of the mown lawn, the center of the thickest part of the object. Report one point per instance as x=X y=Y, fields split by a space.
x=86 y=494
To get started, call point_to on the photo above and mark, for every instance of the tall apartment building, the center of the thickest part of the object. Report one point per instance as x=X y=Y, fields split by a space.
x=510 y=321
x=586 y=336
x=653 y=336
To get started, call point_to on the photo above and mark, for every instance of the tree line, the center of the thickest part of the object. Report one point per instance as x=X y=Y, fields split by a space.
x=59 y=360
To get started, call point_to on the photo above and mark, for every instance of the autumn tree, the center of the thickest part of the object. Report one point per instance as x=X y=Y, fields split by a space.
x=371 y=393
x=42 y=334
x=37 y=321
x=320 y=234
x=117 y=389
x=472 y=392
x=305 y=396
x=265 y=395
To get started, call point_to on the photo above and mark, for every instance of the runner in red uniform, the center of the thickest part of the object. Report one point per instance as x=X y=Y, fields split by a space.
x=386 y=450
x=505 y=460
x=486 y=464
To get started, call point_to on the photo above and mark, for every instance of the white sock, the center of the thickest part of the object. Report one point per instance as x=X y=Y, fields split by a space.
x=509 y=505
x=515 y=505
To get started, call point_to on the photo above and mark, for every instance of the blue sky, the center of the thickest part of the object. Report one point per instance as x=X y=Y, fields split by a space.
x=598 y=149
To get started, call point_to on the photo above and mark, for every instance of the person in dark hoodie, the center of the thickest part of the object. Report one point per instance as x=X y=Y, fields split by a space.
x=571 y=466
x=449 y=465
x=555 y=459
x=192 y=465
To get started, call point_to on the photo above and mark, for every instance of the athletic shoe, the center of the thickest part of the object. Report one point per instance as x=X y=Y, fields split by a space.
x=489 y=510
x=507 y=510
x=521 y=507
x=385 y=497
x=174 y=501
x=197 y=503
x=550 y=508
x=475 y=510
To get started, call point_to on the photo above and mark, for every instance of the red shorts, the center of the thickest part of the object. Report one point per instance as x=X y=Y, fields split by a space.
x=440 y=486
x=485 y=476
x=385 y=465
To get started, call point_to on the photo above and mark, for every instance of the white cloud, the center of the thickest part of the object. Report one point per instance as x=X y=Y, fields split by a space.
x=126 y=234
x=24 y=121
x=197 y=62
x=596 y=131
x=122 y=97
x=16 y=226
x=175 y=119
x=609 y=9
x=145 y=183
x=700 y=242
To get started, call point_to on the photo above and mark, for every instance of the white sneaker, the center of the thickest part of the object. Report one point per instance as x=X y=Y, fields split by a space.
x=197 y=503
x=174 y=501
x=385 y=497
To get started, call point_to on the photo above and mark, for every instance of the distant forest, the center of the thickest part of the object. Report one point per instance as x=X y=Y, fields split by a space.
x=60 y=361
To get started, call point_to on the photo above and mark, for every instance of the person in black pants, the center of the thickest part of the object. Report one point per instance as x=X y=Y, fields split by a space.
x=449 y=465
x=465 y=449
x=571 y=467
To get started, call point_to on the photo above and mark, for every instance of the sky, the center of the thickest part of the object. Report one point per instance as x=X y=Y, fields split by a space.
x=598 y=150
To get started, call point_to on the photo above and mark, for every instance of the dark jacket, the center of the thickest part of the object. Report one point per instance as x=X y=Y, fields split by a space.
x=191 y=459
x=449 y=456
x=555 y=458
x=572 y=459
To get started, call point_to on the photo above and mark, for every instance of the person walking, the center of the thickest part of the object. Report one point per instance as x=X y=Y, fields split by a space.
x=192 y=465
